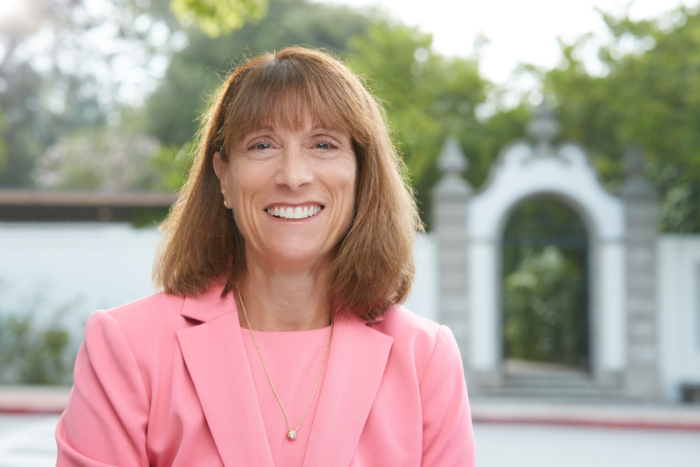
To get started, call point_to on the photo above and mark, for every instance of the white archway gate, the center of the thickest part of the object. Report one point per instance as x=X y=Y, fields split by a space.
x=470 y=228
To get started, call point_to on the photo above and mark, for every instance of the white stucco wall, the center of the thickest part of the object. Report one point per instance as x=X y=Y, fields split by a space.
x=609 y=314
x=87 y=266
x=679 y=312
x=424 y=299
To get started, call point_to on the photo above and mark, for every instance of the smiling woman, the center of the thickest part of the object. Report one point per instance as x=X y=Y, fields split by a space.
x=296 y=213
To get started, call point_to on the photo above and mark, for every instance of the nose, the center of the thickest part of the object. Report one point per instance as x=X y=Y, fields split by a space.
x=294 y=170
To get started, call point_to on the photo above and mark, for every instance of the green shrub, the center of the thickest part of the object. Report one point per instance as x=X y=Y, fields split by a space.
x=35 y=354
x=544 y=319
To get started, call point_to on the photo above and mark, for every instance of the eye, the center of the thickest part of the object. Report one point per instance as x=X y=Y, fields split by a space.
x=261 y=145
x=325 y=145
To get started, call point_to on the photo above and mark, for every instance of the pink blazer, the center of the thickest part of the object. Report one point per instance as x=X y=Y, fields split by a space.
x=165 y=381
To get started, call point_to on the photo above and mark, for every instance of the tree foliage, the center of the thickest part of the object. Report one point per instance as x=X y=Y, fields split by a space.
x=220 y=17
x=649 y=95
x=35 y=345
x=545 y=263
x=53 y=89
x=125 y=163
x=542 y=309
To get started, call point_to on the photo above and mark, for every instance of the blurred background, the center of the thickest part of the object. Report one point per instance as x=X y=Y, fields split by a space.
x=553 y=148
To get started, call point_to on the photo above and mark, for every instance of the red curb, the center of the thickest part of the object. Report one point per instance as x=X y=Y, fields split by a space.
x=590 y=423
x=31 y=411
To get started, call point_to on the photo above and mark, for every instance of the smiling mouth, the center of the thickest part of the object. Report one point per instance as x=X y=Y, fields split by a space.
x=286 y=212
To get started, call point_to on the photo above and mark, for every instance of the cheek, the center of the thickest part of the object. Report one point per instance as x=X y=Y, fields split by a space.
x=352 y=180
x=248 y=178
x=346 y=183
x=245 y=184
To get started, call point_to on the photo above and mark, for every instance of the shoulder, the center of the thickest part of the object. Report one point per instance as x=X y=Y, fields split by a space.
x=137 y=335
x=417 y=339
x=408 y=327
x=143 y=324
x=153 y=312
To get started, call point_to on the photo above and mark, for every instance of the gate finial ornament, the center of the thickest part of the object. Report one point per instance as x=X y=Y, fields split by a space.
x=452 y=164
x=544 y=129
x=452 y=158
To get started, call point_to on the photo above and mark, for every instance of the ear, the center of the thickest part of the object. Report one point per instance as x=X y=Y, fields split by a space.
x=221 y=169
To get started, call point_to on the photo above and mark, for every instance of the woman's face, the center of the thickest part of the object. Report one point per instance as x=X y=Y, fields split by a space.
x=292 y=193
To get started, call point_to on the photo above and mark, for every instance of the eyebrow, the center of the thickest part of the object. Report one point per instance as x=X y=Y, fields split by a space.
x=334 y=132
x=314 y=129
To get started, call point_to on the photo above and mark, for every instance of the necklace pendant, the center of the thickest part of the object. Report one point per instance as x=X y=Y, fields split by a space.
x=291 y=435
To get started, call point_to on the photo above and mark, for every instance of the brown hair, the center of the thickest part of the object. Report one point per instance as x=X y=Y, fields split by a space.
x=373 y=268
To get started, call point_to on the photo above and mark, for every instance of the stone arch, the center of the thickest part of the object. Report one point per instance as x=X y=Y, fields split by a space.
x=622 y=260
x=522 y=171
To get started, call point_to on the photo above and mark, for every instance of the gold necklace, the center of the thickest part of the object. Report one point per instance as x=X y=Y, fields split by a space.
x=291 y=434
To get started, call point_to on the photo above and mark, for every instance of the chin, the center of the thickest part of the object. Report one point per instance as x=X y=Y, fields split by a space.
x=299 y=260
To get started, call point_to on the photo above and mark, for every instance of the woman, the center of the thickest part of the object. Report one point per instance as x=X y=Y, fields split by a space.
x=279 y=339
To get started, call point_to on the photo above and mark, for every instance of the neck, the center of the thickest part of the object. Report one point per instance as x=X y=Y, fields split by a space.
x=277 y=300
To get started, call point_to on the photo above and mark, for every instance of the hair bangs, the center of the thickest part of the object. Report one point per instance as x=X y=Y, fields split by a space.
x=286 y=94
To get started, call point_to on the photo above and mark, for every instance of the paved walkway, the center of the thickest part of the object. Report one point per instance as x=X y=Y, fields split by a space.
x=28 y=441
x=52 y=400
x=508 y=432
x=503 y=445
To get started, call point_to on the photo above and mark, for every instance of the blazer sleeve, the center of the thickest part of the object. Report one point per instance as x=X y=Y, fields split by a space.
x=448 y=437
x=105 y=421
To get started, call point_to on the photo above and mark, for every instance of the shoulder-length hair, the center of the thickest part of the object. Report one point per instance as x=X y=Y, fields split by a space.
x=373 y=268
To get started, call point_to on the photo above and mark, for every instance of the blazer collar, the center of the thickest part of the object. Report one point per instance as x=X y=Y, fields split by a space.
x=216 y=360
x=209 y=305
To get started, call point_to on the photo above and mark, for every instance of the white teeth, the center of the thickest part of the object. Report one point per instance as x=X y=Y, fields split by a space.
x=294 y=213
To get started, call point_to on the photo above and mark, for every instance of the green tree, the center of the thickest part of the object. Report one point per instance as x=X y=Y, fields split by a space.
x=217 y=17
x=41 y=98
x=35 y=351
x=649 y=95
x=542 y=299
x=100 y=159
x=544 y=262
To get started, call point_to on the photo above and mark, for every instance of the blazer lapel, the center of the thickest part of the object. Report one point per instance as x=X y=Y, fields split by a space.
x=356 y=362
x=216 y=360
